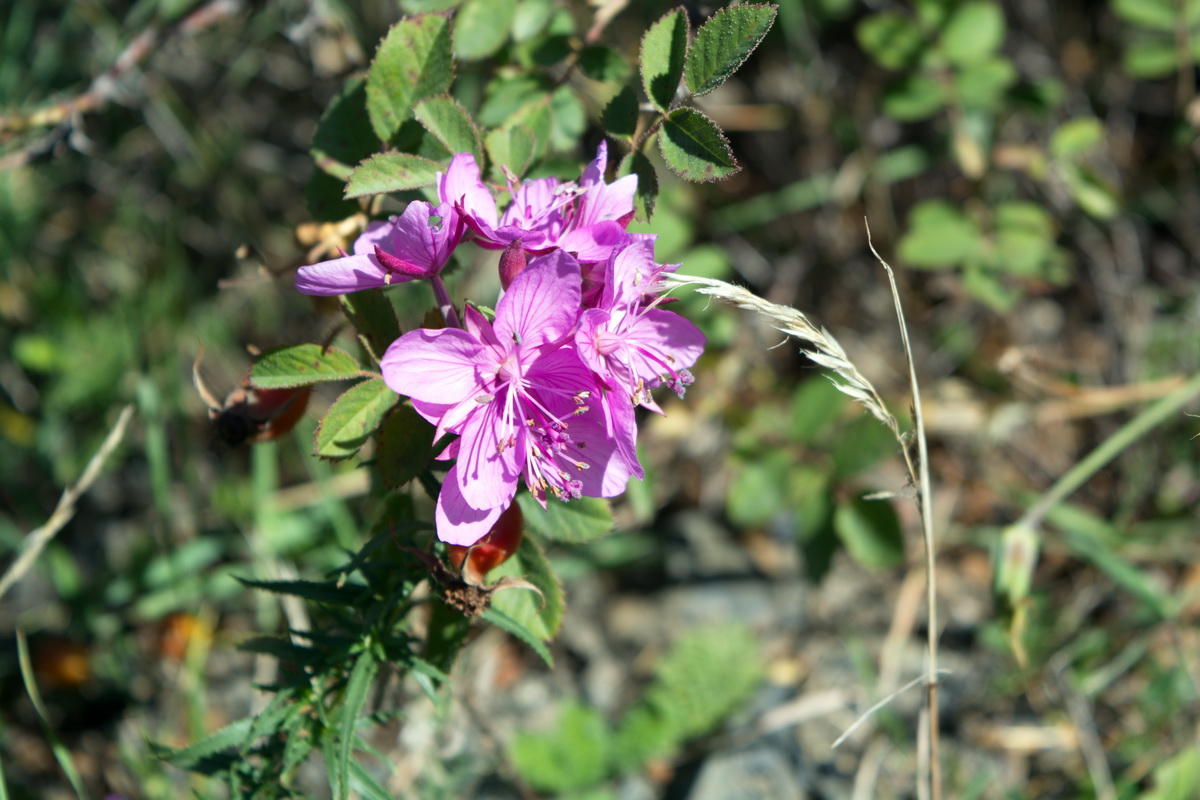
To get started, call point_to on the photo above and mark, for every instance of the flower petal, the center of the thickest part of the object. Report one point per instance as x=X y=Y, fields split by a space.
x=461 y=185
x=457 y=521
x=342 y=275
x=542 y=303
x=435 y=366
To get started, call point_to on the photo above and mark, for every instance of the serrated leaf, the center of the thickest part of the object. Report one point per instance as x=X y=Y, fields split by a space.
x=405 y=446
x=344 y=136
x=974 y=32
x=621 y=114
x=541 y=615
x=578 y=521
x=724 y=43
x=663 y=55
x=871 y=532
x=512 y=146
x=372 y=315
x=451 y=124
x=391 y=172
x=229 y=737
x=302 y=365
x=352 y=419
x=348 y=594
x=695 y=148
x=481 y=27
x=636 y=163
x=413 y=62
x=353 y=701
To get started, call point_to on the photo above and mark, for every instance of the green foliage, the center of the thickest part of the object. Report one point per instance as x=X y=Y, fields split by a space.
x=413 y=62
x=541 y=611
x=353 y=419
x=724 y=42
x=695 y=148
x=704 y=678
x=664 y=52
x=581 y=520
x=391 y=172
x=481 y=27
x=302 y=365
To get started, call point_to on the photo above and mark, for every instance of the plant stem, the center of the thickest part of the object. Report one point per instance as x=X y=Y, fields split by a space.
x=443 y=301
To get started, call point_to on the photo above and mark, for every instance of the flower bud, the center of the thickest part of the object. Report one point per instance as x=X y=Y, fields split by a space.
x=476 y=561
x=512 y=261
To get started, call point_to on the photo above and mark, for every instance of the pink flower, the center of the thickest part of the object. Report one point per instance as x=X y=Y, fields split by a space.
x=413 y=246
x=587 y=219
x=518 y=396
x=627 y=340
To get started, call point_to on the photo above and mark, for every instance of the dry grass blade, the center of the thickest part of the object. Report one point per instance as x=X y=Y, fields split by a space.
x=37 y=540
x=822 y=347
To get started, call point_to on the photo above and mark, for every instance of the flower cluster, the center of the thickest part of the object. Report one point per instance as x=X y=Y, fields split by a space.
x=546 y=391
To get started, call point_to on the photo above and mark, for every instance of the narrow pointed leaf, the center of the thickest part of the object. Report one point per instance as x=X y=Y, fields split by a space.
x=413 y=62
x=695 y=148
x=664 y=52
x=352 y=704
x=451 y=124
x=391 y=172
x=724 y=43
x=348 y=594
x=353 y=418
x=505 y=622
x=302 y=365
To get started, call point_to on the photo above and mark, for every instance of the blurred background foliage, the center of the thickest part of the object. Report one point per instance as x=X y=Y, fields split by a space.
x=1032 y=170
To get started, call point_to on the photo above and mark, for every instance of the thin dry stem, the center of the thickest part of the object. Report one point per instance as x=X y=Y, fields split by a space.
x=38 y=538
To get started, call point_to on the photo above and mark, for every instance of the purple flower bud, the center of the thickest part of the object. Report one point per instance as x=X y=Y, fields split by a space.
x=512 y=261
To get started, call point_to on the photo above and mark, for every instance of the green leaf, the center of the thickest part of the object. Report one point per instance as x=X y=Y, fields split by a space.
x=1024 y=239
x=353 y=701
x=1091 y=192
x=481 y=27
x=695 y=148
x=1176 y=778
x=603 y=63
x=570 y=757
x=914 y=97
x=892 y=38
x=982 y=85
x=530 y=18
x=344 y=136
x=636 y=163
x=1156 y=15
x=283 y=649
x=621 y=114
x=391 y=172
x=323 y=197
x=816 y=405
x=504 y=622
x=974 y=32
x=405 y=446
x=578 y=521
x=229 y=737
x=940 y=236
x=302 y=365
x=347 y=594
x=1151 y=58
x=352 y=419
x=451 y=124
x=871 y=532
x=758 y=490
x=664 y=52
x=505 y=96
x=413 y=62
x=724 y=43
x=541 y=615
x=1076 y=137
x=569 y=120
x=512 y=146
x=372 y=315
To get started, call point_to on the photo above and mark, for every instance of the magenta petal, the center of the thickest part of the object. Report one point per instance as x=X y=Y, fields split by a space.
x=457 y=522
x=434 y=366
x=668 y=333
x=378 y=234
x=542 y=303
x=487 y=473
x=418 y=240
x=341 y=276
x=460 y=185
x=595 y=243
x=613 y=201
